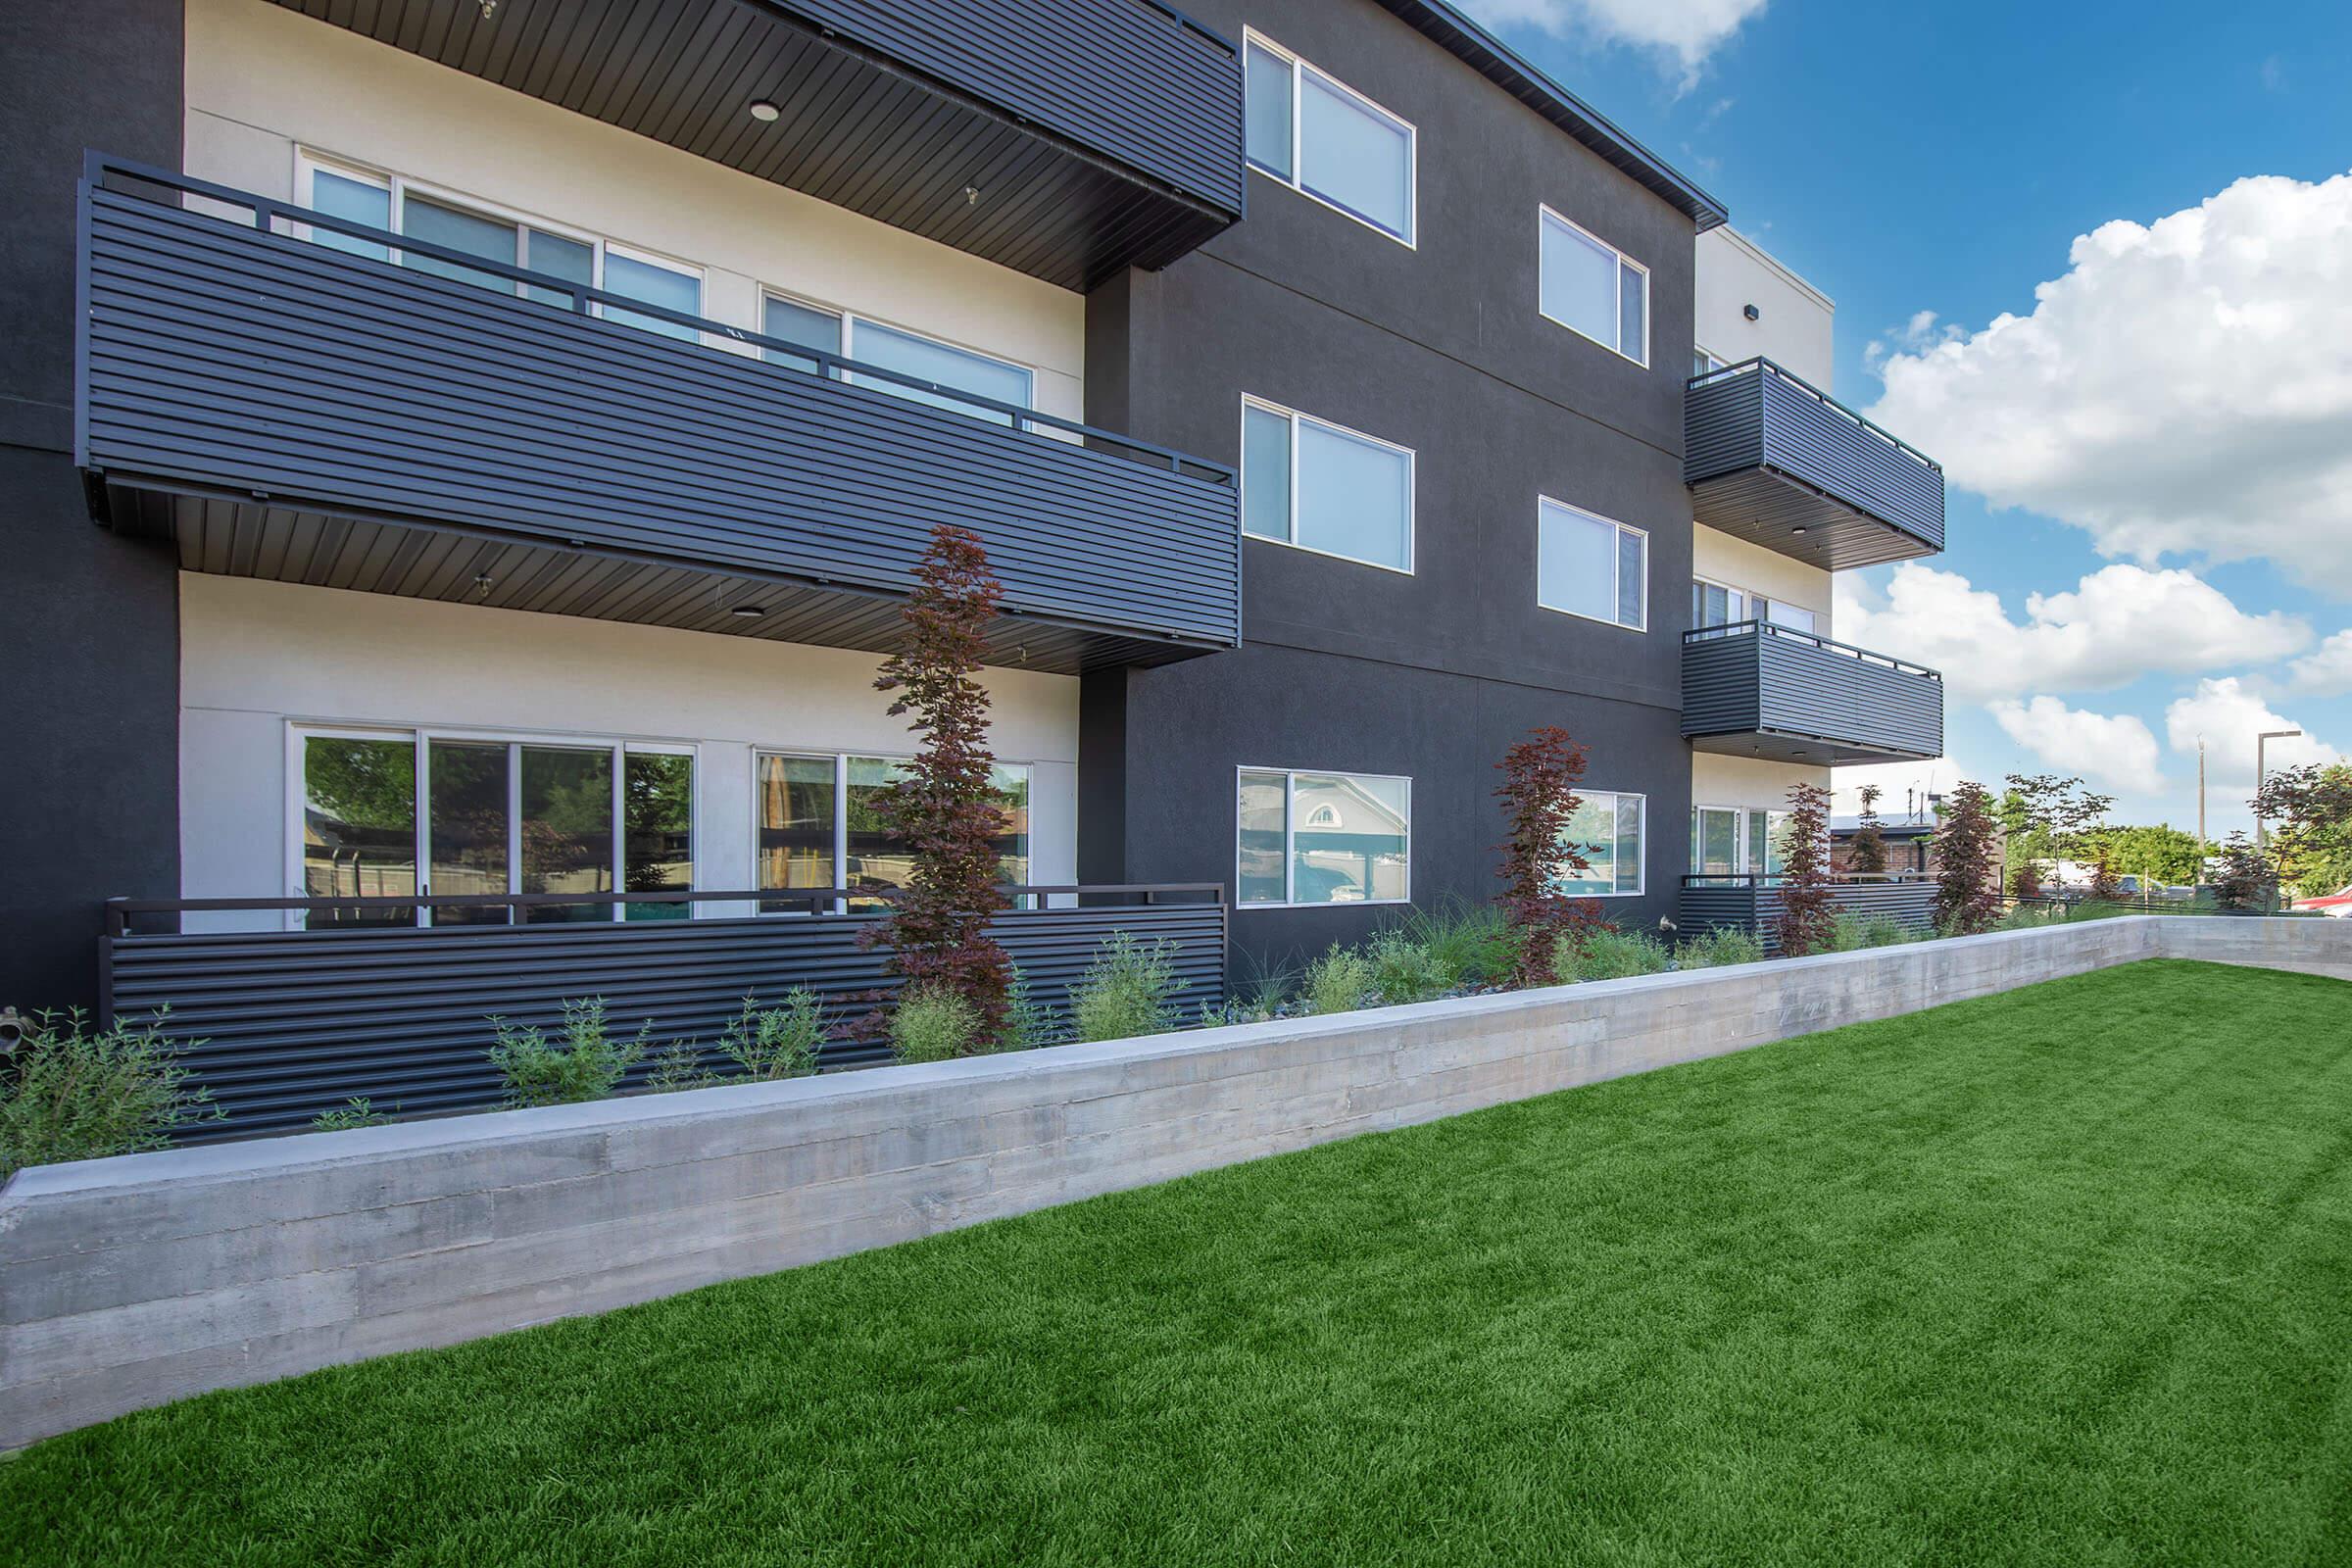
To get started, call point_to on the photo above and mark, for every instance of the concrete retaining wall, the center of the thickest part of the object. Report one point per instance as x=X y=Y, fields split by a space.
x=128 y=1282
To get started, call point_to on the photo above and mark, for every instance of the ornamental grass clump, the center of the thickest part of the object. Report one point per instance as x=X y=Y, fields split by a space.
x=1403 y=970
x=77 y=1095
x=1129 y=990
x=1472 y=943
x=932 y=1023
x=583 y=1063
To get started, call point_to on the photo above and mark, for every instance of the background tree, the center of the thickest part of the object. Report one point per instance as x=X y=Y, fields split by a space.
x=1538 y=797
x=941 y=806
x=1806 y=916
x=2308 y=812
x=2161 y=853
x=1968 y=889
x=1866 y=851
x=2055 y=815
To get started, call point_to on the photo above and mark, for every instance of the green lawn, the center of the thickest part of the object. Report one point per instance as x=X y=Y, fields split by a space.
x=2063 y=1276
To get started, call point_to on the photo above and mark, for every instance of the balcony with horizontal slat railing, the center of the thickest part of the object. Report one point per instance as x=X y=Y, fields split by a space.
x=287 y=410
x=1774 y=461
x=1742 y=902
x=1757 y=689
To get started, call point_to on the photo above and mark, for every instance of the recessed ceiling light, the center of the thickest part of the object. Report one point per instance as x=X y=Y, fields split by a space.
x=748 y=612
x=764 y=111
x=1798 y=530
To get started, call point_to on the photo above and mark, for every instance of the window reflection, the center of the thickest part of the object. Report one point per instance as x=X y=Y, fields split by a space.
x=566 y=829
x=358 y=827
x=656 y=801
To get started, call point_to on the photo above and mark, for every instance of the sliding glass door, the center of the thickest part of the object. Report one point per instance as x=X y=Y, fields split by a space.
x=487 y=816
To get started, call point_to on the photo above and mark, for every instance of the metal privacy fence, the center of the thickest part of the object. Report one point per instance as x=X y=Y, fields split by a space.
x=280 y=1025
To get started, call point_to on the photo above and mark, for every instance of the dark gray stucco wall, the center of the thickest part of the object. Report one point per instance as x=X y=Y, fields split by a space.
x=1441 y=348
x=89 y=629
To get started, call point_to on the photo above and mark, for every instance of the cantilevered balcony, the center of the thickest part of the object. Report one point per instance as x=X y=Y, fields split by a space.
x=1065 y=138
x=290 y=410
x=1759 y=690
x=1772 y=461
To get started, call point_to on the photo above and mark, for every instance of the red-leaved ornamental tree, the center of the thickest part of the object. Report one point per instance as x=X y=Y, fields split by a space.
x=1538 y=797
x=1968 y=862
x=1806 y=918
x=939 y=806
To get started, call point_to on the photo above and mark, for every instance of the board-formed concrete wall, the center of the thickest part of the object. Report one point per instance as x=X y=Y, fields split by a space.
x=128 y=1281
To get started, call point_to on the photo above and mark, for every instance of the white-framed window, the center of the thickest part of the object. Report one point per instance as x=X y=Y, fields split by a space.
x=1737 y=841
x=852 y=336
x=1326 y=488
x=1719 y=604
x=814 y=826
x=1592 y=287
x=1324 y=139
x=382 y=198
x=1590 y=566
x=1608 y=829
x=413 y=812
x=1705 y=363
x=1308 y=838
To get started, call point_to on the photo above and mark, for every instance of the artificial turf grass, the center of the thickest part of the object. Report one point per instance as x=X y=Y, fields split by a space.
x=2064 y=1275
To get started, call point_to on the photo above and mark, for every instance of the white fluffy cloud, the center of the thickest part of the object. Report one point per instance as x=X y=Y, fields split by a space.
x=2186 y=387
x=1688 y=29
x=2229 y=714
x=2118 y=750
x=2116 y=624
x=2327 y=670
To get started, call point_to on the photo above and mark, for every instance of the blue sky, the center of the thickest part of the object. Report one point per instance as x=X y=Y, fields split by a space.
x=2184 y=400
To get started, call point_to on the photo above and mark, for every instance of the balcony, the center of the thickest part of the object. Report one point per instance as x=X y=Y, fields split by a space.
x=1772 y=461
x=1065 y=138
x=1759 y=690
x=287 y=411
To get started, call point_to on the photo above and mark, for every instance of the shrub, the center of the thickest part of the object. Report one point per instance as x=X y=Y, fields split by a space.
x=584 y=1062
x=2244 y=880
x=1340 y=981
x=1866 y=851
x=1130 y=990
x=1885 y=931
x=1846 y=934
x=933 y=1024
x=1030 y=1024
x=1604 y=953
x=1403 y=970
x=679 y=1066
x=1719 y=946
x=772 y=1042
x=74 y=1095
x=2024 y=884
x=943 y=805
x=351 y=1115
x=1540 y=801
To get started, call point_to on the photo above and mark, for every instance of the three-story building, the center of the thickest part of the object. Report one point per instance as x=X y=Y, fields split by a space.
x=470 y=455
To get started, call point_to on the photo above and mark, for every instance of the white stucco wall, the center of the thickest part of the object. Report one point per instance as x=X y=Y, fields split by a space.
x=1738 y=563
x=1749 y=781
x=1795 y=320
x=263 y=80
x=259 y=658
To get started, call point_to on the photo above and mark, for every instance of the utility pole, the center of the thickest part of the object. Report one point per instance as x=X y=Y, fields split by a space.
x=2200 y=808
x=2262 y=826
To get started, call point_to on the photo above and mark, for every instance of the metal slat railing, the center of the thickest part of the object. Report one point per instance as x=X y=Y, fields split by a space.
x=585 y=300
x=1766 y=628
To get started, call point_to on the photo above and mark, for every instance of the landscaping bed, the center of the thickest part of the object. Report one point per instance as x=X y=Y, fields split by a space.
x=2052 y=1276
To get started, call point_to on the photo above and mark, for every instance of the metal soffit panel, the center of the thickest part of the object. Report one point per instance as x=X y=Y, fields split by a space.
x=1035 y=185
x=1765 y=507
x=241 y=538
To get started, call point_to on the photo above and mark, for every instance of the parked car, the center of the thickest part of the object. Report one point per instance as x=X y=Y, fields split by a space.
x=2337 y=904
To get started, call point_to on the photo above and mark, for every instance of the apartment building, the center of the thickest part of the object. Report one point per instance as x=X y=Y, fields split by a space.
x=468 y=451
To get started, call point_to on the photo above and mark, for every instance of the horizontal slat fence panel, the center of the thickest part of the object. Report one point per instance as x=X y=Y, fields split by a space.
x=292 y=1023
x=1741 y=903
